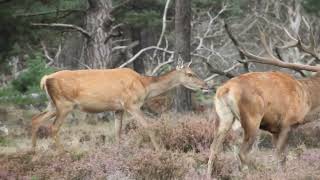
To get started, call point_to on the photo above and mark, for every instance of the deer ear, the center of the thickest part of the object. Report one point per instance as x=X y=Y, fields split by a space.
x=180 y=63
x=189 y=63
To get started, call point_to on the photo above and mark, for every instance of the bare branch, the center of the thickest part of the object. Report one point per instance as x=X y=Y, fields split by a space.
x=248 y=27
x=68 y=26
x=56 y=57
x=212 y=19
x=49 y=12
x=130 y=46
x=164 y=25
x=47 y=56
x=142 y=51
x=224 y=73
x=235 y=42
x=82 y=64
x=170 y=60
x=110 y=33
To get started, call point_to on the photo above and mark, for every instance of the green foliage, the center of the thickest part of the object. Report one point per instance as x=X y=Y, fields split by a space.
x=29 y=80
x=4 y=141
x=205 y=4
x=34 y=178
x=200 y=96
x=140 y=13
x=77 y=156
x=143 y=18
x=16 y=33
x=21 y=89
x=312 y=6
x=9 y=95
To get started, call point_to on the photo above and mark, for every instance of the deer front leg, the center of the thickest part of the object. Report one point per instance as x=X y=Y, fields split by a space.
x=281 y=145
x=118 y=125
x=138 y=114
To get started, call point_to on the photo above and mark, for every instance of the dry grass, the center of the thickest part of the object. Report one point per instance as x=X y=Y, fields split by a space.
x=92 y=153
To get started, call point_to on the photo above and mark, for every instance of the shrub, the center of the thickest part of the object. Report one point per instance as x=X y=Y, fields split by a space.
x=188 y=133
x=148 y=164
x=25 y=88
x=30 y=79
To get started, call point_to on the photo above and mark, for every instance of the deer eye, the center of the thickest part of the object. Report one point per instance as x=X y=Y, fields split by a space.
x=189 y=74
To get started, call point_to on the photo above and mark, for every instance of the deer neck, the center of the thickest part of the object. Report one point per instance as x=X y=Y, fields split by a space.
x=312 y=89
x=158 y=85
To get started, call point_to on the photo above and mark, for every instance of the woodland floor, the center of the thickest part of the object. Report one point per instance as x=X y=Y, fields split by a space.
x=91 y=152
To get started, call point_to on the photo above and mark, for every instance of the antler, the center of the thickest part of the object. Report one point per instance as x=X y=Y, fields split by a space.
x=270 y=59
x=295 y=23
x=297 y=42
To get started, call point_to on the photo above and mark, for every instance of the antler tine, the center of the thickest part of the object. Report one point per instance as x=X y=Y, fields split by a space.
x=266 y=46
x=294 y=42
x=272 y=60
x=188 y=65
x=312 y=49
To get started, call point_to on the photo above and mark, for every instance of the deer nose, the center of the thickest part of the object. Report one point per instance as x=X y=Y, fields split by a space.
x=205 y=88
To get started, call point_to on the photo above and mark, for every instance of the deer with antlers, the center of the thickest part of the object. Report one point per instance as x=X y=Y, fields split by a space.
x=272 y=101
x=116 y=90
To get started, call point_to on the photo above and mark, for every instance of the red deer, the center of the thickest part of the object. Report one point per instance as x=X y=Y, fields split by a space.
x=116 y=90
x=272 y=101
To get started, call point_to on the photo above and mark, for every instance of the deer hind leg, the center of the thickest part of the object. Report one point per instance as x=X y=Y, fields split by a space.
x=138 y=114
x=62 y=112
x=36 y=121
x=275 y=137
x=281 y=145
x=251 y=127
x=226 y=120
x=118 y=125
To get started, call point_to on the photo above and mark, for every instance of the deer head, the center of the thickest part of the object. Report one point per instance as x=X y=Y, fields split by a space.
x=188 y=78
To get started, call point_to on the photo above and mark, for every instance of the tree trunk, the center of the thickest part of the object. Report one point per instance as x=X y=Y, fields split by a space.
x=138 y=64
x=97 y=53
x=182 y=100
x=71 y=51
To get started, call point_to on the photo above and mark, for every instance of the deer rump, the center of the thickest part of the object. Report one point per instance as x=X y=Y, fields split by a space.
x=270 y=99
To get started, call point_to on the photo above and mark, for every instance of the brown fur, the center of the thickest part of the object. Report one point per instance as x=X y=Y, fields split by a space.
x=96 y=91
x=272 y=101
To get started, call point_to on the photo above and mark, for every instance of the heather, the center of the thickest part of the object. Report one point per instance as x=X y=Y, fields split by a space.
x=91 y=152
